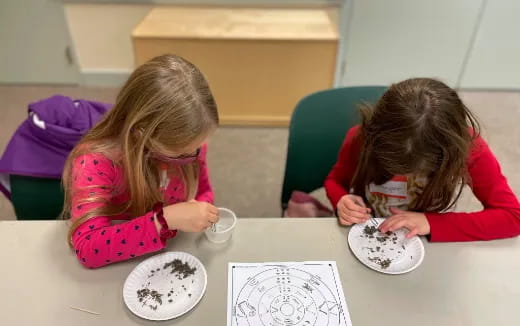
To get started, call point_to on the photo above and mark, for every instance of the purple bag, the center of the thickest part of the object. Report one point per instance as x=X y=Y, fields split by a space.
x=41 y=144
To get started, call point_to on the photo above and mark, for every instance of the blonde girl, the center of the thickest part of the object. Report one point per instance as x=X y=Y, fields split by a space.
x=144 y=163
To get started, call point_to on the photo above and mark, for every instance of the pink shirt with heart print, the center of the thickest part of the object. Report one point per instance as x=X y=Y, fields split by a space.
x=98 y=241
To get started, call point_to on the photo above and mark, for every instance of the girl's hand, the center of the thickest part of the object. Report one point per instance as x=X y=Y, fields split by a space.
x=192 y=216
x=352 y=209
x=415 y=222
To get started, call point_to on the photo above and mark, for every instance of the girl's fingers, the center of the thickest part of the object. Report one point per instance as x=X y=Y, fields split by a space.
x=400 y=224
x=341 y=205
x=352 y=216
x=382 y=226
x=413 y=232
x=385 y=226
x=213 y=218
x=349 y=219
x=213 y=210
x=357 y=215
x=206 y=224
x=355 y=219
x=343 y=215
x=395 y=210
x=358 y=200
x=355 y=207
x=342 y=218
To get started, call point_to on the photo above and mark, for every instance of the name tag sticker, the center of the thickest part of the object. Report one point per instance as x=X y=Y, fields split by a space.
x=395 y=188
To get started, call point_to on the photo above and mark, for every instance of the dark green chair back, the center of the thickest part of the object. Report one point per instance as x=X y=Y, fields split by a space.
x=318 y=126
x=36 y=198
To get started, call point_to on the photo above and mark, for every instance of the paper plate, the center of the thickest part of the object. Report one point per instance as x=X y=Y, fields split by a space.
x=386 y=253
x=165 y=286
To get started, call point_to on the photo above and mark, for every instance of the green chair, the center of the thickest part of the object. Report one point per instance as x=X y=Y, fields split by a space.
x=318 y=126
x=36 y=198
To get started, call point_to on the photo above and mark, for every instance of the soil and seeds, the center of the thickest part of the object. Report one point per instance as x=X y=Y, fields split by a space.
x=381 y=243
x=153 y=298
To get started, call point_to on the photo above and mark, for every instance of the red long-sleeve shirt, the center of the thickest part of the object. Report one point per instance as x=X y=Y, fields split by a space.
x=500 y=217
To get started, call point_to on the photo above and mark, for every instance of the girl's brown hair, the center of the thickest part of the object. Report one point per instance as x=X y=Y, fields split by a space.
x=419 y=126
x=165 y=104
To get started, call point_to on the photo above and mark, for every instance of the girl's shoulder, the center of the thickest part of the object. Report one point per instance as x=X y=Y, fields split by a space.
x=94 y=159
x=98 y=170
x=97 y=155
x=354 y=131
x=478 y=147
x=204 y=149
x=96 y=164
x=353 y=136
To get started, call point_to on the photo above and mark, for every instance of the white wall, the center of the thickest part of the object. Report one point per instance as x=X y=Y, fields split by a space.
x=495 y=59
x=471 y=44
x=388 y=41
x=35 y=46
x=224 y=2
x=101 y=36
x=384 y=41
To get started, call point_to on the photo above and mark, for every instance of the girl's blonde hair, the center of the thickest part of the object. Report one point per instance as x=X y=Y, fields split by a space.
x=165 y=103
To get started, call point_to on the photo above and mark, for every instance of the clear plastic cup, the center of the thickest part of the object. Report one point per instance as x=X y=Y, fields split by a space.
x=221 y=231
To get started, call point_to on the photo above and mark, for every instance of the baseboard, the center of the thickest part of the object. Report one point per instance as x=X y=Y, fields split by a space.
x=104 y=77
x=254 y=120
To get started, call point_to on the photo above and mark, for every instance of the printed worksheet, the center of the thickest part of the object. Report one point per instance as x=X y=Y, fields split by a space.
x=286 y=293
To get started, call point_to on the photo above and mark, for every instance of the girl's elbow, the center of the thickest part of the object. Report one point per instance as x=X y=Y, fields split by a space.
x=87 y=263
x=515 y=213
x=86 y=260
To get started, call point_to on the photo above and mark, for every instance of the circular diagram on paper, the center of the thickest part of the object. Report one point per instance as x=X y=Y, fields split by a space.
x=286 y=296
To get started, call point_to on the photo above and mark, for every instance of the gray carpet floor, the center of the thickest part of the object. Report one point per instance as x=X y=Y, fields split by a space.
x=246 y=164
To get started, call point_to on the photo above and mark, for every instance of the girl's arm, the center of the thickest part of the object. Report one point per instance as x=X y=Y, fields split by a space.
x=96 y=241
x=338 y=181
x=500 y=217
x=205 y=191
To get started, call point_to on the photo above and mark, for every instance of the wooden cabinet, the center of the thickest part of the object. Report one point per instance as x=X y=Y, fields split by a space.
x=259 y=62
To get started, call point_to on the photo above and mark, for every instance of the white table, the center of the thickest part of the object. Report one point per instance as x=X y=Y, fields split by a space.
x=457 y=284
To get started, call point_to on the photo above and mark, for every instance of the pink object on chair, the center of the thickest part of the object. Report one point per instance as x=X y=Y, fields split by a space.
x=302 y=204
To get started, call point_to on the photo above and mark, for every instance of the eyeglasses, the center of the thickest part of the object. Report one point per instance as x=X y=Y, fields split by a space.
x=180 y=160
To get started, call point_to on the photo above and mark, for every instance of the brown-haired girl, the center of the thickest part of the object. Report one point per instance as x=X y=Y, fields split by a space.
x=147 y=151
x=409 y=160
